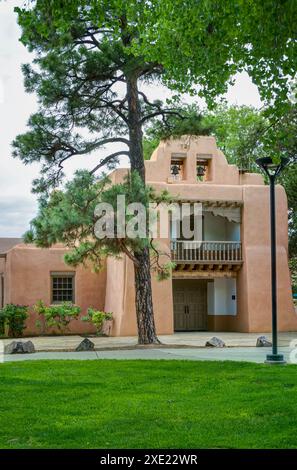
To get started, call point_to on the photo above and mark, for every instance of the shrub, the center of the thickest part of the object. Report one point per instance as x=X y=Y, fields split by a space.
x=13 y=320
x=108 y=315
x=96 y=318
x=57 y=316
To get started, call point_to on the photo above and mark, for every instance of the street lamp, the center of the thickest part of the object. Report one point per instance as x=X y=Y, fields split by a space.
x=273 y=170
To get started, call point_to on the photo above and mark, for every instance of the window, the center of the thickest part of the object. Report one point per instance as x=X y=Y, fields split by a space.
x=62 y=287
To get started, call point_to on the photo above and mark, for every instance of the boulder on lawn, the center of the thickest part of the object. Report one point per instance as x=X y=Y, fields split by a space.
x=215 y=342
x=19 y=347
x=263 y=342
x=85 y=345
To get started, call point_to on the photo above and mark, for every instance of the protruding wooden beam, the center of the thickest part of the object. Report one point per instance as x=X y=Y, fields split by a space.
x=203 y=274
x=236 y=267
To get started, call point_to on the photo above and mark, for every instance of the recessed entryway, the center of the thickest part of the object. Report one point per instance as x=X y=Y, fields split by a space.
x=190 y=304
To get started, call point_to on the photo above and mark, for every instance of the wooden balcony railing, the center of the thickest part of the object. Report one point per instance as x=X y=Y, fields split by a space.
x=206 y=252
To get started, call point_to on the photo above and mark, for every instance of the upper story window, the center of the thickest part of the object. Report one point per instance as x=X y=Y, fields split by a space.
x=62 y=288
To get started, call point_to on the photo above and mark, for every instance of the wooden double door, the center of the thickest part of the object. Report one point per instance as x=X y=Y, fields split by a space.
x=190 y=304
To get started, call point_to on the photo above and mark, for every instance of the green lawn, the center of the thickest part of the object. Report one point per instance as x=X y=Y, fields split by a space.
x=150 y=404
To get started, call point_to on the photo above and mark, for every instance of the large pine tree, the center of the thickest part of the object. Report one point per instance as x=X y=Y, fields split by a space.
x=86 y=79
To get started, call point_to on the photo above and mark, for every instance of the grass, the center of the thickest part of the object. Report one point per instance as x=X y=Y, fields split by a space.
x=147 y=404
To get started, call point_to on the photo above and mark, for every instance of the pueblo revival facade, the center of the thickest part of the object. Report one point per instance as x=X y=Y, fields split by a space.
x=220 y=282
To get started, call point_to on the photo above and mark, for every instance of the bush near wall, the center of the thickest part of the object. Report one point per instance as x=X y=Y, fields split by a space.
x=293 y=270
x=13 y=320
x=56 y=316
x=97 y=318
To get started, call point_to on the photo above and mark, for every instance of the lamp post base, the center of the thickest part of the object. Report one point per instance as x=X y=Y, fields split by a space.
x=275 y=359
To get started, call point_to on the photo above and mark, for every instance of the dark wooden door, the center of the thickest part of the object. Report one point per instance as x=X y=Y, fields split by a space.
x=179 y=306
x=190 y=305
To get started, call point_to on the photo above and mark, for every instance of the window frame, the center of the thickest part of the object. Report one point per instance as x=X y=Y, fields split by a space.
x=61 y=274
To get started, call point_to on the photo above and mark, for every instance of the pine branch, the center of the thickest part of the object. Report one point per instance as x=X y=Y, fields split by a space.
x=162 y=113
x=149 y=103
x=88 y=148
x=116 y=110
x=128 y=252
x=107 y=159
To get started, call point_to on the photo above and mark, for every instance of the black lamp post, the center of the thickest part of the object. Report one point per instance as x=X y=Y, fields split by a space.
x=273 y=170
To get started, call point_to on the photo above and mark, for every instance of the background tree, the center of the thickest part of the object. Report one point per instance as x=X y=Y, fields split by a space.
x=205 y=43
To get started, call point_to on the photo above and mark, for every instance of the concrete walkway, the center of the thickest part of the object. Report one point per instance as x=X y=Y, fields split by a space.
x=190 y=346
x=247 y=354
x=177 y=340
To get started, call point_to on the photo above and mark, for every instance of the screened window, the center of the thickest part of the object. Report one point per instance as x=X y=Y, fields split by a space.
x=62 y=286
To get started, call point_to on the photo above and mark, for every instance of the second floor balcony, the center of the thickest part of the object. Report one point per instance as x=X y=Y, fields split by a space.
x=209 y=254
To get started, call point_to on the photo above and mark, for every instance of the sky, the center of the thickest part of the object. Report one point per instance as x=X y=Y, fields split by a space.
x=17 y=204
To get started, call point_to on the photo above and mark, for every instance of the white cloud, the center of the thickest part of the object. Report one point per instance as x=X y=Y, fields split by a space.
x=15 y=213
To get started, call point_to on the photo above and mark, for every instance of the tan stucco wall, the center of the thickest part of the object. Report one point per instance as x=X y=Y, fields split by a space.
x=115 y=292
x=120 y=299
x=158 y=167
x=256 y=286
x=223 y=323
x=28 y=280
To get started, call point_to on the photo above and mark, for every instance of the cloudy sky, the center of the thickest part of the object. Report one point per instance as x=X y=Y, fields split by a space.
x=17 y=204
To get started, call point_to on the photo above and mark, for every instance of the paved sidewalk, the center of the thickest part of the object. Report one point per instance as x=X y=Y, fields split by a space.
x=247 y=354
x=177 y=340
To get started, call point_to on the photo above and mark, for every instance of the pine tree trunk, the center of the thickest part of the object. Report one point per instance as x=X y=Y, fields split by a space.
x=143 y=299
x=143 y=286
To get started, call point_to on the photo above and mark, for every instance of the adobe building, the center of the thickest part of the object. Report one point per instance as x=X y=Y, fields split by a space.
x=220 y=282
